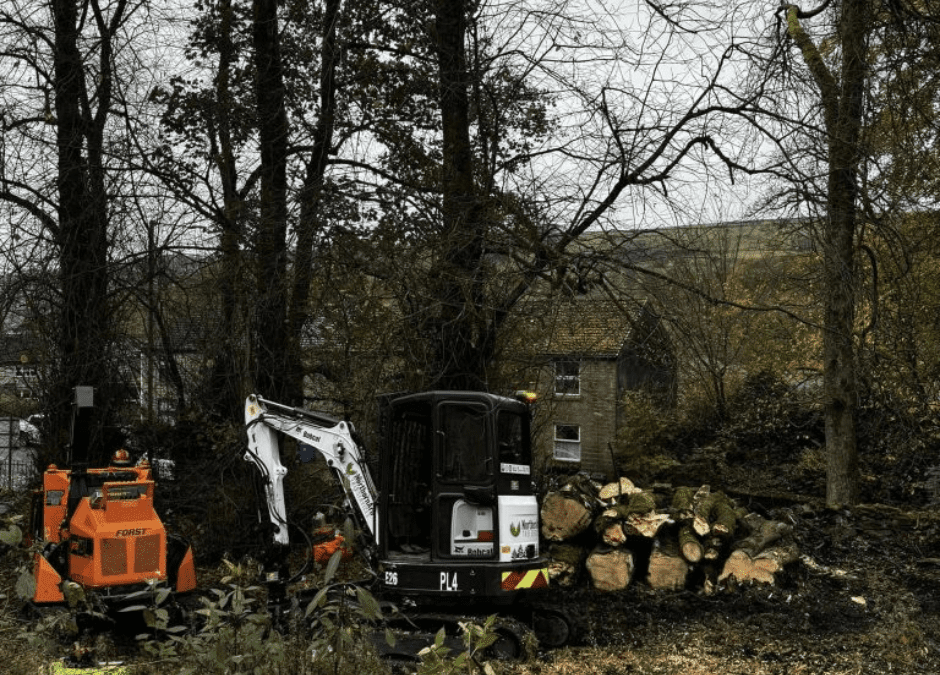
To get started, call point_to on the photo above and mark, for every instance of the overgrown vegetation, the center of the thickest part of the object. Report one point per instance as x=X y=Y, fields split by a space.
x=769 y=423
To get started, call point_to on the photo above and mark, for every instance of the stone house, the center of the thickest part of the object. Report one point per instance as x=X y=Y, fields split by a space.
x=592 y=353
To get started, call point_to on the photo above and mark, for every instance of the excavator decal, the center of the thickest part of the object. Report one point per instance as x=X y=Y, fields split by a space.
x=513 y=581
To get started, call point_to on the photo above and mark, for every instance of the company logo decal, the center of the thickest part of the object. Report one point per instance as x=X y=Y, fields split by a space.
x=527 y=528
x=130 y=533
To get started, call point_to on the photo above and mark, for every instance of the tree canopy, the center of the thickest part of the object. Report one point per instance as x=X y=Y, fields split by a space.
x=380 y=186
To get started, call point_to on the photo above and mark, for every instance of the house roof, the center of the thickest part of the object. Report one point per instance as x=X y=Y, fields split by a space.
x=578 y=327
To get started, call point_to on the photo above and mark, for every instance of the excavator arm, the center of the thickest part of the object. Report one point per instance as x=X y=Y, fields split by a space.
x=331 y=438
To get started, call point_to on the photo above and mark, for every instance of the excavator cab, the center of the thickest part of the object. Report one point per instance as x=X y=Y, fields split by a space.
x=458 y=515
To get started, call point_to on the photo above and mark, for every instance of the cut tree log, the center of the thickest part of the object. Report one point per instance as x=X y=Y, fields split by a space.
x=610 y=569
x=695 y=533
x=667 y=569
x=637 y=502
x=714 y=546
x=718 y=510
x=583 y=489
x=564 y=564
x=614 y=492
x=563 y=517
x=763 y=533
x=689 y=545
x=645 y=525
x=682 y=506
x=778 y=557
x=752 y=559
x=613 y=534
x=762 y=569
x=687 y=506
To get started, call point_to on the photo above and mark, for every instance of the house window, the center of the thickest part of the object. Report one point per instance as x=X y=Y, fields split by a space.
x=567 y=378
x=166 y=410
x=26 y=376
x=567 y=443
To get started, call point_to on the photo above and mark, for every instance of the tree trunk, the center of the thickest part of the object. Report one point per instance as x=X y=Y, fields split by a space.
x=311 y=223
x=460 y=332
x=82 y=235
x=841 y=101
x=222 y=390
x=270 y=327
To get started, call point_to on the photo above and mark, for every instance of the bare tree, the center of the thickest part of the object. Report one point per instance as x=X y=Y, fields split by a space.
x=555 y=120
x=63 y=80
x=846 y=62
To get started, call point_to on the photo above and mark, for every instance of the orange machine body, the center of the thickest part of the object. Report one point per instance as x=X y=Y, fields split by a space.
x=102 y=532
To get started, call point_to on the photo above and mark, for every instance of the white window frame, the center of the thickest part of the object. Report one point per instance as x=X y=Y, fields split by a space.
x=567 y=383
x=567 y=449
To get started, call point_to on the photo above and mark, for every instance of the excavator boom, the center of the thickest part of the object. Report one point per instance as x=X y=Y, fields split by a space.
x=331 y=438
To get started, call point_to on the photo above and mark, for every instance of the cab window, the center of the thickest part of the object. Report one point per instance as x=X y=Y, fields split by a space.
x=511 y=432
x=464 y=444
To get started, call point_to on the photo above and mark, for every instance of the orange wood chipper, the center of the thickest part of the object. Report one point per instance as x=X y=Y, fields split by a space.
x=97 y=527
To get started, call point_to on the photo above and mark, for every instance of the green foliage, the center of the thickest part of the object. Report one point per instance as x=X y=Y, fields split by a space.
x=646 y=436
x=162 y=640
x=61 y=625
x=342 y=615
x=477 y=638
x=11 y=536
x=235 y=636
x=51 y=626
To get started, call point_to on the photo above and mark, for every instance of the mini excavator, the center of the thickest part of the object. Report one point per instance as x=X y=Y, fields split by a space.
x=452 y=527
x=98 y=528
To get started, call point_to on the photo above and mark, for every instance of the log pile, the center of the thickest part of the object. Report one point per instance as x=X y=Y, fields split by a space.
x=668 y=538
